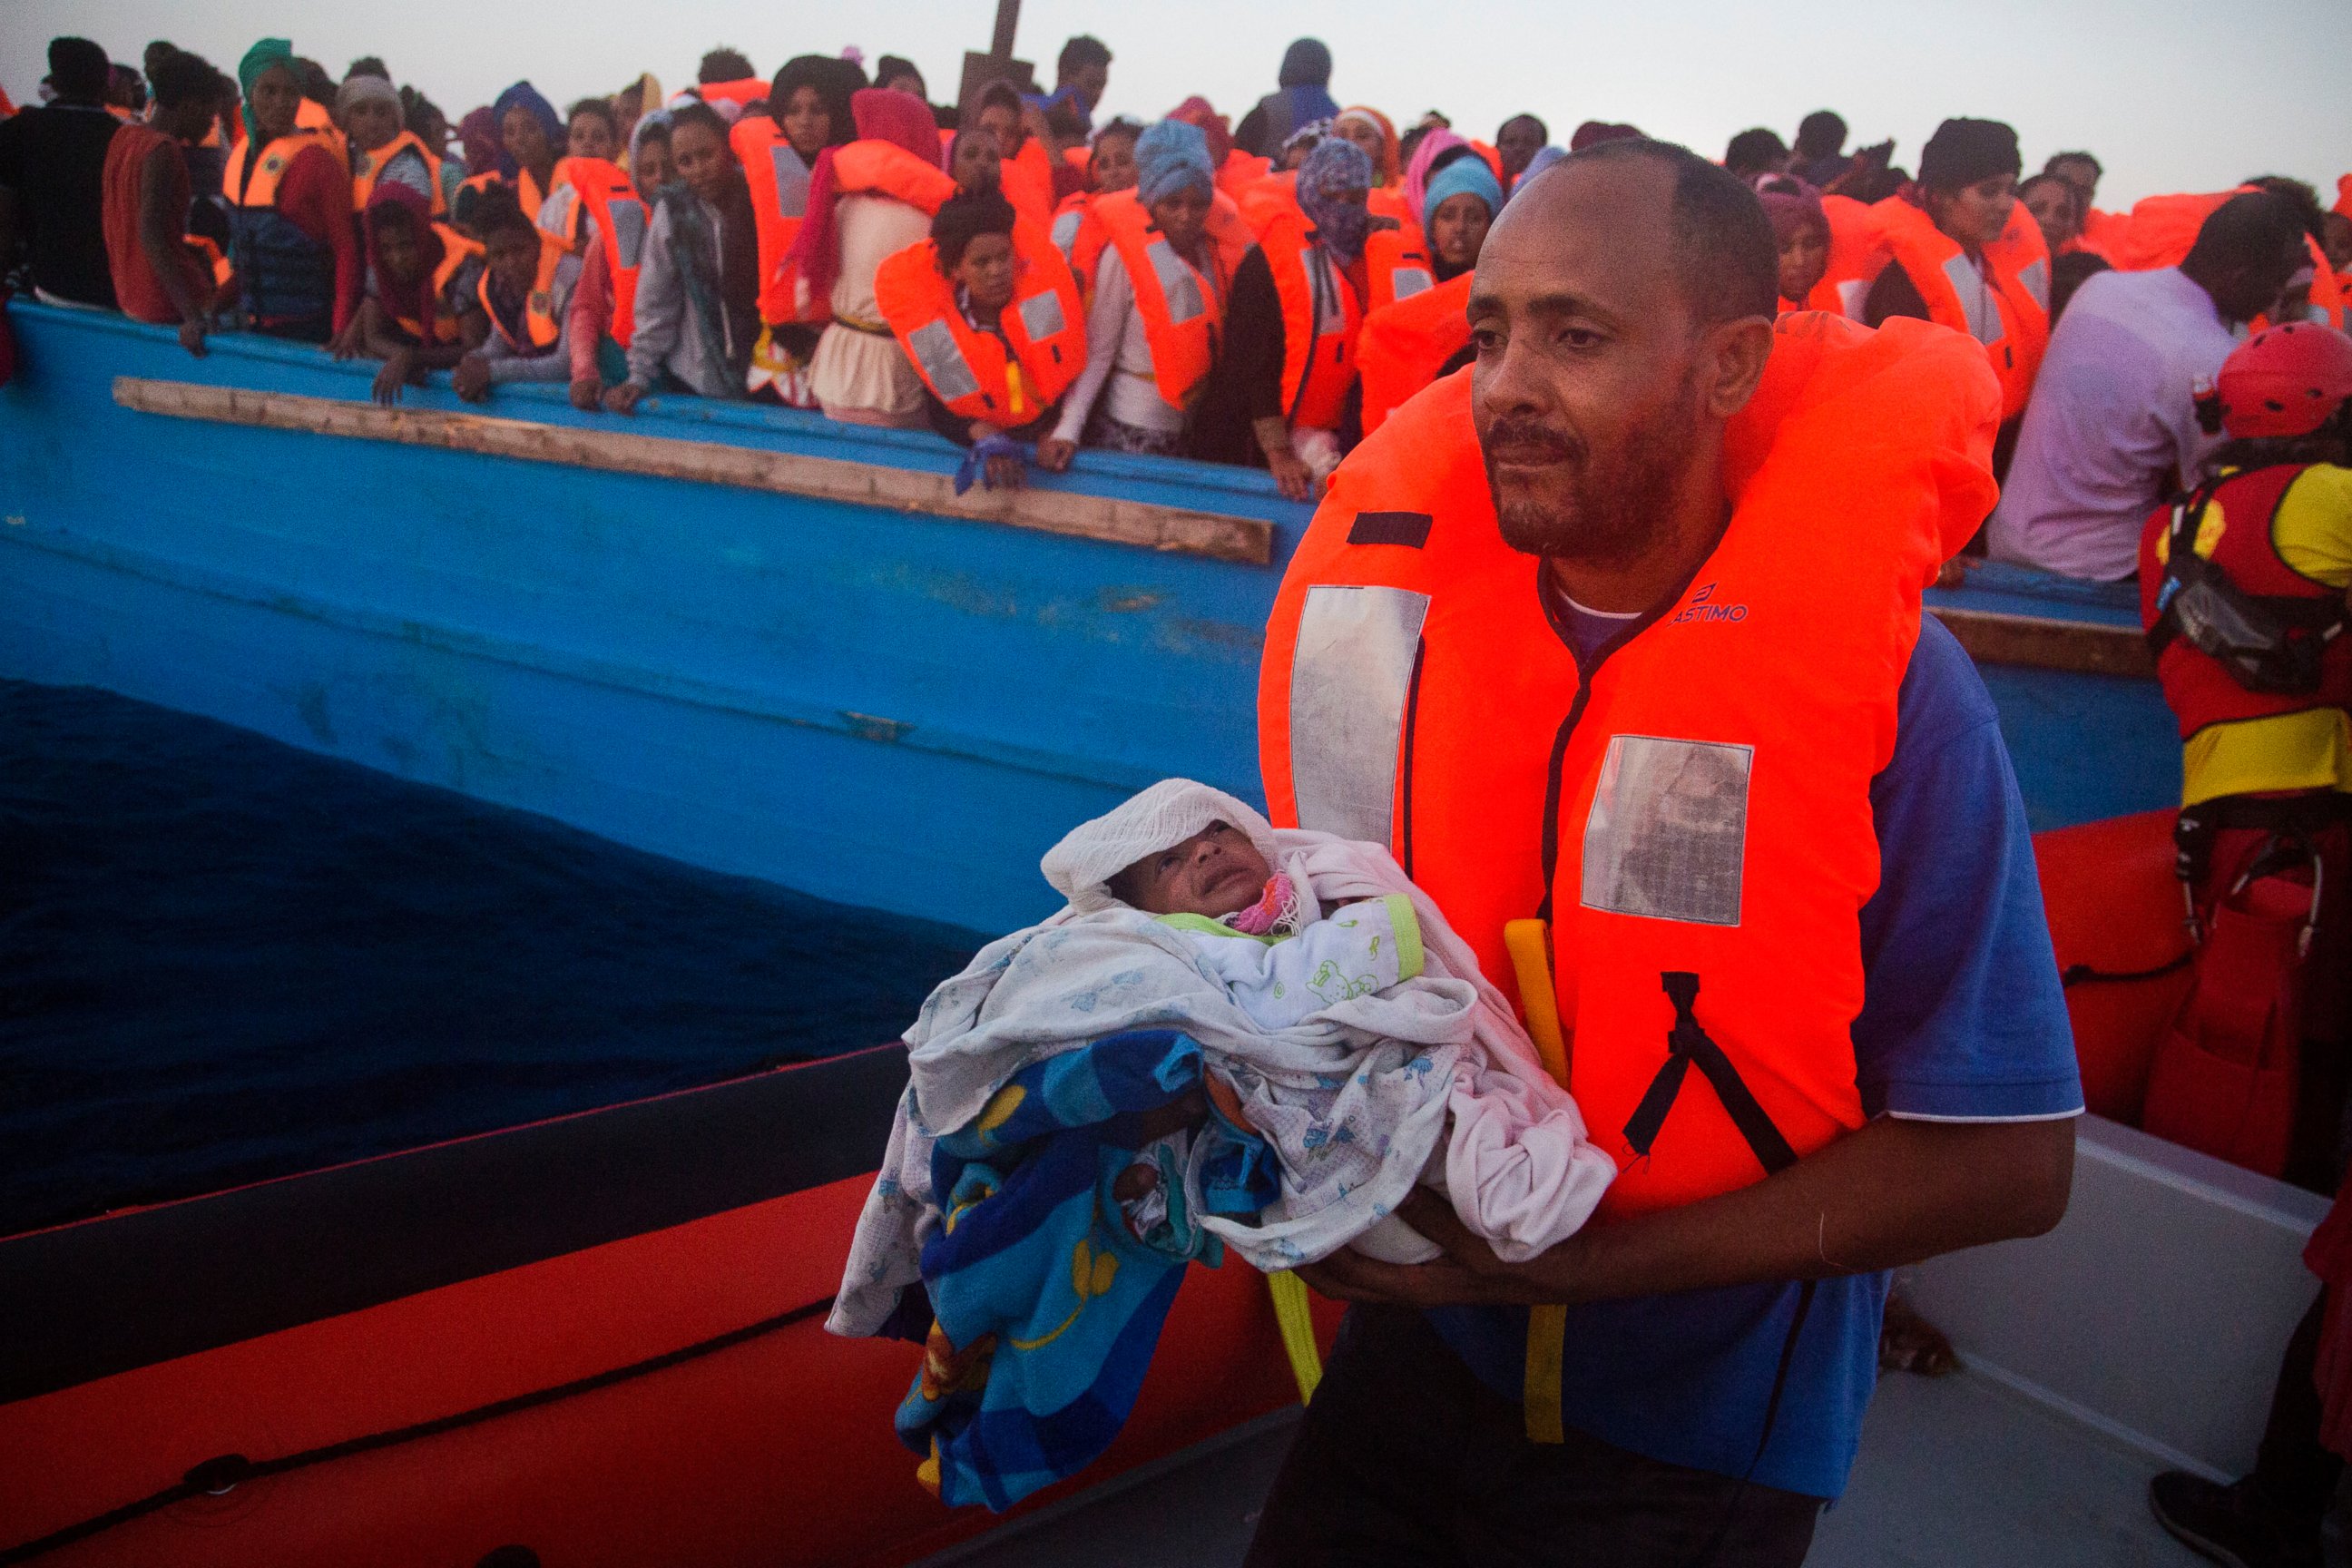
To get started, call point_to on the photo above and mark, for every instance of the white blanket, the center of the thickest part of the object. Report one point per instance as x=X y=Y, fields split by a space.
x=1355 y=1098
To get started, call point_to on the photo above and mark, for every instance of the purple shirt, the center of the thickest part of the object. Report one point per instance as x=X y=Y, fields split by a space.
x=2112 y=427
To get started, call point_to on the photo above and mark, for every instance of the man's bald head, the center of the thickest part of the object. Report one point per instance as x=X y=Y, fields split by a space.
x=1721 y=240
x=1621 y=312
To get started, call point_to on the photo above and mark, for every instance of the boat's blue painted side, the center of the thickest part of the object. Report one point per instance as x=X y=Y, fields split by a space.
x=887 y=709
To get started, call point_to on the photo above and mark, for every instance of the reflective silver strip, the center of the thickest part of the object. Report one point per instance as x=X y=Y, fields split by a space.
x=1668 y=834
x=1976 y=300
x=1041 y=316
x=555 y=212
x=944 y=366
x=1852 y=295
x=629 y=224
x=1066 y=231
x=2035 y=276
x=791 y=180
x=1404 y=282
x=1350 y=677
x=1178 y=285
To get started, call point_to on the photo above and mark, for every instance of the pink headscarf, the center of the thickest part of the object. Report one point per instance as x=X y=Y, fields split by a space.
x=899 y=119
x=1198 y=111
x=1416 y=172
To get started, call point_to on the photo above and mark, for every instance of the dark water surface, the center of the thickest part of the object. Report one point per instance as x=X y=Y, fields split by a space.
x=222 y=959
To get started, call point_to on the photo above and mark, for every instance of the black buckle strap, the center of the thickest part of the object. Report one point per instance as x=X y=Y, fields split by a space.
x=1688 y=1043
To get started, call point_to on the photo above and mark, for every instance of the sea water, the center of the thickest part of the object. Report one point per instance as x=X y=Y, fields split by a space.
x=222 y=959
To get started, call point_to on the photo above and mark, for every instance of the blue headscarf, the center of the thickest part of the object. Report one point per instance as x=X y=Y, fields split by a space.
x=1172 y=156
x=1467 y=174
x=522 y=95
x=1336 y=168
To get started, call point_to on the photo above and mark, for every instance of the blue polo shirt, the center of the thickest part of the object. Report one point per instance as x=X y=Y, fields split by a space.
x=1963 y=1019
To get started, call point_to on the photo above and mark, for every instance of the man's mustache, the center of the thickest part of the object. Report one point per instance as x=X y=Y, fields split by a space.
x=1529 y=441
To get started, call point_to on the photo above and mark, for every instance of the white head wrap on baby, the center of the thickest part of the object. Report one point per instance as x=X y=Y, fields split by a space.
x=1081 y=865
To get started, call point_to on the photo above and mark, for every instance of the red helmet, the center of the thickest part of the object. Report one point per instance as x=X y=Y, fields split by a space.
x=2284 y=381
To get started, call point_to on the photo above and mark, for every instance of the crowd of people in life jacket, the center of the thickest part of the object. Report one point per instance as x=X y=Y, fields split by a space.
x=1028 y=282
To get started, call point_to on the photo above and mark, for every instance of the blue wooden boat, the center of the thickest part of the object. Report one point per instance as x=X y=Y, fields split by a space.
x=756 y=640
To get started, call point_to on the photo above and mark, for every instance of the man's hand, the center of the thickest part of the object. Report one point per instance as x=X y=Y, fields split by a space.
x=192 y=335
x=472 y=378
x=1291 y=477
x=1054 y=453
x=623 y=399
x=350 y=343
x=587 y=395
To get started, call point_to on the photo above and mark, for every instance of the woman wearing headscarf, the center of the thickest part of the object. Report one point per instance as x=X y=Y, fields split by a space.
x=408 y=320
x=866 y=200
x=597 y=325
x=1153 y=329
x=1413 y=340
x=699 y=288
x=1302 y=96
x=295 y=248
x=1801 y=229
x=530 y=139
x=1371 y=130
x=807 y=111
x=381 y=145
x=1963 y=253
x=1283 y=395
x=1236 y=170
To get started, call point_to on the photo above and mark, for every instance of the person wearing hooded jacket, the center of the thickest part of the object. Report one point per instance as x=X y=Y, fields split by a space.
x=1302 y=97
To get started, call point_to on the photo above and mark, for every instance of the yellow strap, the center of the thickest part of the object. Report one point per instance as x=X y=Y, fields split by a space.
x=1297 y=1325
x=1529 y=944
x=1547 y=1336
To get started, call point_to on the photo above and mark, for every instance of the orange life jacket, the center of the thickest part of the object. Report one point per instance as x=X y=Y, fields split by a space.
x=1027 y=180
x=1856 y=252
x=622 y=220
x=1183 y=308
x=1241 y=170
x=1692 y=812
x=539 y=309
x=563 y=211
x=742 y=93
x=2005 y=306
x=525 y=185
x=779 y=183
x=366 y=166
x=1079 y=236
x=966 y=368
x=1322 y=317
x=2105 y=234
x=1262 y=202
x=1405 y=343
x=1824 y=296
x=259 y=188
x=456 y=251
x=862 y=168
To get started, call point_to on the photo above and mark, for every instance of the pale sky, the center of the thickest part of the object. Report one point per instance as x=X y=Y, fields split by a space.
x=2172 y=94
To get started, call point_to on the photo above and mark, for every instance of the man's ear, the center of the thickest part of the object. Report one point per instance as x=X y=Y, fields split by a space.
x=1733 y=362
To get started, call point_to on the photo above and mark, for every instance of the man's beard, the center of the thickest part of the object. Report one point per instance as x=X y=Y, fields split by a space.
x=1614 y=509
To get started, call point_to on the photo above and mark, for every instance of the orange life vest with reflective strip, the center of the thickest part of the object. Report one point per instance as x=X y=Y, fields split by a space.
x=525 y=185
x=966 y=368
x=622 y=220
x=563 y=212
x=1182 y=309
x=259 y=189
x=779 y=183
x=1322 y=317
x=1079 y=236
x=1241 y=170
x=1406 y=343
x=366 y=166
x=1692 y=809
x=2004 y=305
x=863 y=168
x=539 y=309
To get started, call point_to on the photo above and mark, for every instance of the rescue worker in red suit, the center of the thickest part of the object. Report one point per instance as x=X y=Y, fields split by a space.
x=2267 y=796
x=1614 y=640
x=2242 y=590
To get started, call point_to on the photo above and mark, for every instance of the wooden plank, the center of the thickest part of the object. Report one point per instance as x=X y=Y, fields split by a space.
x=1217 y=535
x=2036 y=642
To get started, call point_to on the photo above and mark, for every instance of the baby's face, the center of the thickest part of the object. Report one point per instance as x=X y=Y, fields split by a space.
x=1216 y=872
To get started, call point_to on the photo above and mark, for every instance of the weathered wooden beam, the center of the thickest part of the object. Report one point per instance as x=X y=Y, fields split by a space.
x=2039 y=643
x=1220 y=536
